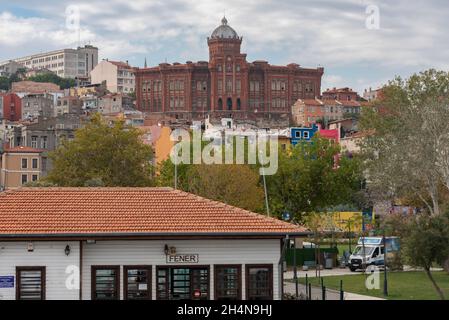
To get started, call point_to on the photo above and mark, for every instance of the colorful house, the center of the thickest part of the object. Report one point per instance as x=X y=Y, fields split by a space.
x=303 y=134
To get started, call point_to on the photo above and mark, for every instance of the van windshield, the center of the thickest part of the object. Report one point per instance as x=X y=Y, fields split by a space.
x=359 y=251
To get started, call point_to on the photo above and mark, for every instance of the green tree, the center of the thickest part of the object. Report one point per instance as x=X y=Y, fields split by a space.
x=4 y=83
x=63 y=83
x=427 y=242
x=407 y=154
x=237 y=185
x=102 y=154
x=308 y=179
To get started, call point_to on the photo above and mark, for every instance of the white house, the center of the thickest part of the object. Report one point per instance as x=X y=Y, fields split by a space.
x=136 y=243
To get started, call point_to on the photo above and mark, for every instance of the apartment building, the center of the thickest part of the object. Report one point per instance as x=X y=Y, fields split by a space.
x=66 y=63
x=19 y=166
x=7 y=68
x=67 y=104
x=119 y=76
x=35 y=105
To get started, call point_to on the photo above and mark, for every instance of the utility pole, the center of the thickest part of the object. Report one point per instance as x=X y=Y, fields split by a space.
x=176 y=168
x=265 y=190
x=385 y=266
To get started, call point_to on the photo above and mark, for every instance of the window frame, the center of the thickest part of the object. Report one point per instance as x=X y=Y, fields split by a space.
x=42 y=269
x=21 y=163
x=271 y=285
x=190 y=267
x=239 y=280
x=149 y=270
x=93 y=278
x=37 y=163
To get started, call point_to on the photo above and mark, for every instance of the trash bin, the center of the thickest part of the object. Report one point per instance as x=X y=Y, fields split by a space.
x=328 y=261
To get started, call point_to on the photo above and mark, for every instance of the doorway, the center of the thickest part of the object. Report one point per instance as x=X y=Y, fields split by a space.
x=182 y=283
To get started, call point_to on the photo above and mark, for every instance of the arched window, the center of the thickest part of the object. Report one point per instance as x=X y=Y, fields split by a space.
x=229 y=103
x=239 y=104
x=220 y=104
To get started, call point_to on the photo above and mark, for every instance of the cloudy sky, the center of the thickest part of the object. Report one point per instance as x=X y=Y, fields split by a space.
x=412 y=34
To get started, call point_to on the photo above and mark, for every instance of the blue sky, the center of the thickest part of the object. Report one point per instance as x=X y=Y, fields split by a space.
x=412 y=35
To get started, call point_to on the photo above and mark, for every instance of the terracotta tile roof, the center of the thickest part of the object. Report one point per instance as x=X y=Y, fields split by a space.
x=311 y=102
x=120 y=64
x=127 y=211
x=350 y=103
x=330 y=102
x=22 y=149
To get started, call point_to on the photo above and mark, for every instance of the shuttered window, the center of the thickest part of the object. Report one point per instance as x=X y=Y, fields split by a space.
x=259 y=282
x=105 y=282
x=137 y=283
x=227 y=282
x=30 y=283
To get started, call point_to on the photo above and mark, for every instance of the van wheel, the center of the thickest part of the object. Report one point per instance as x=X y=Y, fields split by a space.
x=352 y=269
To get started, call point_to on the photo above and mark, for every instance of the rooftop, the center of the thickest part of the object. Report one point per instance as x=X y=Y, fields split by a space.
x=22 y=149
x=110 y=212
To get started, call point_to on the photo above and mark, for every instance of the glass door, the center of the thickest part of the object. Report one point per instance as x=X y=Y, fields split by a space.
x=182 y=283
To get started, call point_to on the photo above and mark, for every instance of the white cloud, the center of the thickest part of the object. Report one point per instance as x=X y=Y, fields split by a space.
x=412 y=34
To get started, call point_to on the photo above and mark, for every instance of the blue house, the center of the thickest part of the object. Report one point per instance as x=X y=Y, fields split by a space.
x=302 y=134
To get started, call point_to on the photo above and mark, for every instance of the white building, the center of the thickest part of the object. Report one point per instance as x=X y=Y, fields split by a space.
x=66 y=63
x=129 y=243
x=119 y=76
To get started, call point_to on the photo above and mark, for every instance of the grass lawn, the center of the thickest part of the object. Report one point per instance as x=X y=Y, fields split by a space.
x=401 y=285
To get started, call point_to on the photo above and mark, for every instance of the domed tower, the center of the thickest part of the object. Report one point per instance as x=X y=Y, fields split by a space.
x=228 y=69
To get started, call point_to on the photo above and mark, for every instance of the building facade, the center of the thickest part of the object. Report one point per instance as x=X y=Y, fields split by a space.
x=37 y=105
x=225 y=86
x=119 y=76
x=19 y=166
x=12 y=106
x=8 y=68
x=66 y=63
x=125 y=250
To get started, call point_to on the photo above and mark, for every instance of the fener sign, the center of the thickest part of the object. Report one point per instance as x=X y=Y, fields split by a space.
x=183 y=258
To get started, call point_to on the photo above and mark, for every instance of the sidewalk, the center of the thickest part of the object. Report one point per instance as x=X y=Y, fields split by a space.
x=289 y=287
x=324 y=273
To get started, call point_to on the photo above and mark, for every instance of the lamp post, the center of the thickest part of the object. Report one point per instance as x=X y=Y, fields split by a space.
x=385 y=266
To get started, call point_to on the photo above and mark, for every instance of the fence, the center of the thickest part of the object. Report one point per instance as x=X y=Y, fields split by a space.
x=305 y=291
x=307 y=256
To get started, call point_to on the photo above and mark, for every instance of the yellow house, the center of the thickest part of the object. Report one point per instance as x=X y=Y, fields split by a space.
x=348 y=221
x=20 y=165
x=159 y=138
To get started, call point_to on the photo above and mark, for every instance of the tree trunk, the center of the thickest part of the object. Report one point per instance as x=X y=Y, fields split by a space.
x=437 y=288
x=446 y=265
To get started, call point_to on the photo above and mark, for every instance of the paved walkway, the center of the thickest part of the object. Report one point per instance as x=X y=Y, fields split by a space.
x=324 y=273
x=289 y=287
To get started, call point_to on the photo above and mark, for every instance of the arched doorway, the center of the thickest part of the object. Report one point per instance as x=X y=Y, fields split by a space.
x=220 y=104
x=229 y=103
x=239 y=104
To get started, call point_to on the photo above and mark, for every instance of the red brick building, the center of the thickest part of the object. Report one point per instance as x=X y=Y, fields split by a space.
x=12 y=106
x=226 y=86
x=342 y=94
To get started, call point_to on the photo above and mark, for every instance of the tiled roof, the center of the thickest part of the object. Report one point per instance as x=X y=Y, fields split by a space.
x=120 y=64
x=22 y=149
x=311 y=102
x=350 y=103
x=127 y=211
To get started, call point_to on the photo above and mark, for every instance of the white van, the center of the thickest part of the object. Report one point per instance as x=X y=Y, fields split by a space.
x=371 y=251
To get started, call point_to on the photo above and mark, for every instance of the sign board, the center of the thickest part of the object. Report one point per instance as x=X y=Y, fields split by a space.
x=370 y=241
x=6 y=281
x=183 y=258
